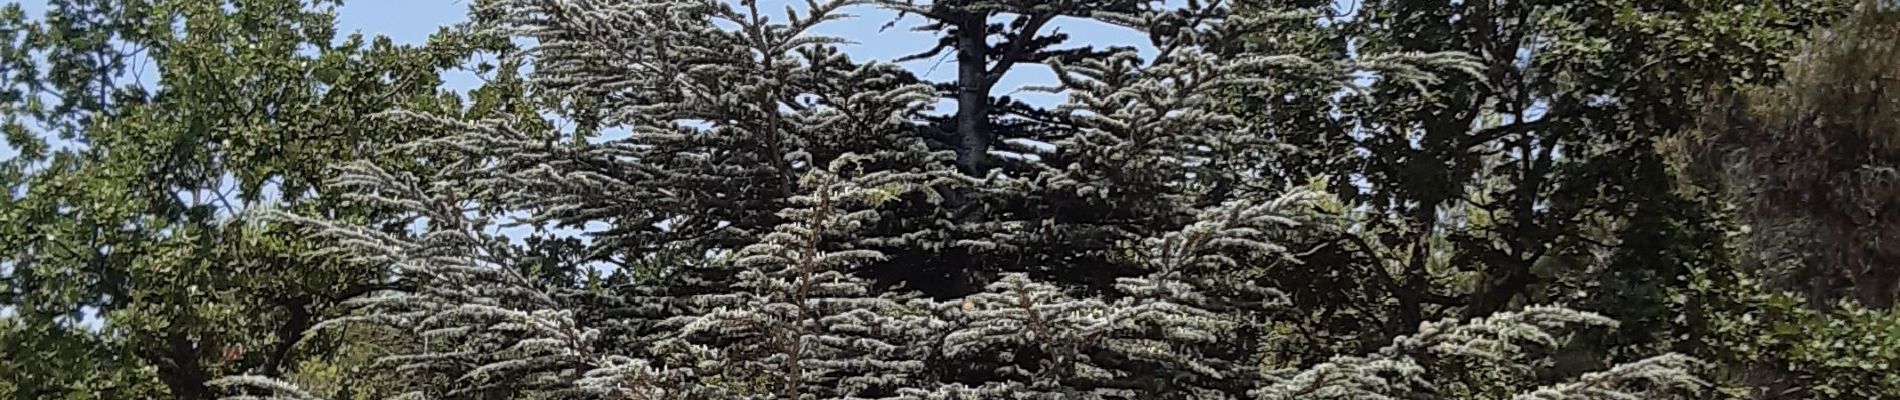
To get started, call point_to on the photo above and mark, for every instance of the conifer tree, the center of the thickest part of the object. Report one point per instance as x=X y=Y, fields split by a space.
x=712 y=117
x=714 y=100
x=1140 y=145
x=798 y=324
x=681 y=193
x=771 y=201
x=691 y=120
x=1008 y=217
x=967 y=28
x=488 y=321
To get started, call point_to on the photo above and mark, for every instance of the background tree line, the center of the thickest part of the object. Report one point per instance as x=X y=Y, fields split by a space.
x=1270 y=199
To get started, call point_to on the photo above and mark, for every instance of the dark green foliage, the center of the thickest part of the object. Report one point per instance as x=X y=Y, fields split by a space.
x=1535 y=177
x=1803 y=160
x=1813 y=158
x=148 y=132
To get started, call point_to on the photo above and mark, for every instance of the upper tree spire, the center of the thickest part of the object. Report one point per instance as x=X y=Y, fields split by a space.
x=990 y=38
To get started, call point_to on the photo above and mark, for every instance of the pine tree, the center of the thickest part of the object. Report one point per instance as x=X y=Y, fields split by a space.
x=263 y=389
x=1140 y=145
x=1112 y=164
x=721 y=107
x=967 y=27
x=677 y=196
x=691 y=121
x=1029 y=336
x=713 y=117
x=773 y=201
x=798 y=324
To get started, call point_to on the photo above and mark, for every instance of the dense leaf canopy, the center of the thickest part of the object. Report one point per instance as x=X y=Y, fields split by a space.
x=710 y=199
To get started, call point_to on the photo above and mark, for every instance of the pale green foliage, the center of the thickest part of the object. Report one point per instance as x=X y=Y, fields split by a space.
x=720 y=122
x=621 y=377
x=1033 y=332
x=1158 y=337
x=796 y=319
x=267 y=388
x=1490 y=357
x=1222 y=235
x=479 y=318
x=1644 y=379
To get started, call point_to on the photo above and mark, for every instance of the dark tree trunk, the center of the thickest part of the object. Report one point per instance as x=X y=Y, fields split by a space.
x=1875 y=286
x=298 y=319
x=971 y=141
x=1874 y=275
x=180 y=370
x=973 y=95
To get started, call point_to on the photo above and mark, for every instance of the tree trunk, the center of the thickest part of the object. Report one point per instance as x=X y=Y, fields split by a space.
x=1873 y=276
x=298 y=319
x=180 y=370
x=972 y=141
x=973 y=95
x=1874 y=287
